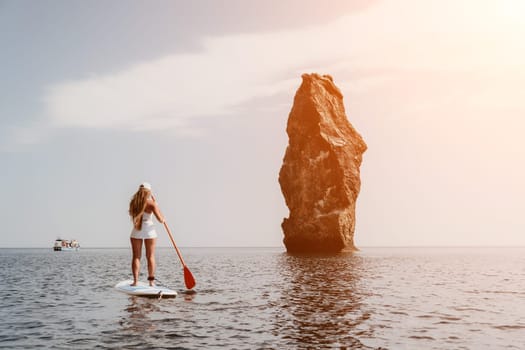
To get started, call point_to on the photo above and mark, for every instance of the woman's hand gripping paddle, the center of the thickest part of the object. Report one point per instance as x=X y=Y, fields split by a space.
x=188 y=277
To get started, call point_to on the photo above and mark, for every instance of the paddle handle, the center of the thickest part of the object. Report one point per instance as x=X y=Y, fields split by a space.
x=173 y=242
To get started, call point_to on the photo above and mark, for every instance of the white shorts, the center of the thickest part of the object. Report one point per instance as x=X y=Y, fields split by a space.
x=147 y=232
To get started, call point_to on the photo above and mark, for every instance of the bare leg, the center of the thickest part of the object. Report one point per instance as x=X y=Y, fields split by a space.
x=136 y=247
x=150 y=255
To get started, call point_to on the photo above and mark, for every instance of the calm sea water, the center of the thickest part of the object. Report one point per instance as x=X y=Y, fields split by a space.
x=249 y=298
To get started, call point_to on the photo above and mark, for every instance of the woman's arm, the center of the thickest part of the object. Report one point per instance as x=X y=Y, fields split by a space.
x=156 y=210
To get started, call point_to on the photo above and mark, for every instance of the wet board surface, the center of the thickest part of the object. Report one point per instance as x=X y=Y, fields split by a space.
x=144 y=290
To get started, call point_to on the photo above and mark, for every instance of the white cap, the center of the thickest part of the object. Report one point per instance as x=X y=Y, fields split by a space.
x=146 y=185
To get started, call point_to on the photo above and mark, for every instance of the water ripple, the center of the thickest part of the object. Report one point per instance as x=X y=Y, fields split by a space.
x=263 y=298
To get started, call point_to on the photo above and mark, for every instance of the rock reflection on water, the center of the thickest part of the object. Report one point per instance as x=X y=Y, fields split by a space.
x=321 y=301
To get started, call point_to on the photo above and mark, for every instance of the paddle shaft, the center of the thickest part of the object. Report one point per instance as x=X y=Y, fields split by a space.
x=174 y=245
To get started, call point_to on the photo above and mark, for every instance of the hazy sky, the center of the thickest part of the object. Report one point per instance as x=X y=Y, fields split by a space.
x=193 y=97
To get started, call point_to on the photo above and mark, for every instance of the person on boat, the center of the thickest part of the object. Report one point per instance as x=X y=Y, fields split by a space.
x=142 y=207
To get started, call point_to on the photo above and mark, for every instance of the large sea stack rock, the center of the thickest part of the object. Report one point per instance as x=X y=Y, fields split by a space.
x=319 y=177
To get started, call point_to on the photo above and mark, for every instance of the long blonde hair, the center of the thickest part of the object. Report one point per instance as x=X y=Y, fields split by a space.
x=137 y=205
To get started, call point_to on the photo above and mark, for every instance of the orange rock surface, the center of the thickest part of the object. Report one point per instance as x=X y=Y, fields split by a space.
x=319 y=177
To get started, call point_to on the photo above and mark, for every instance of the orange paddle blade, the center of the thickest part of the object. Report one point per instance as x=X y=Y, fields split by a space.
x=188 y=278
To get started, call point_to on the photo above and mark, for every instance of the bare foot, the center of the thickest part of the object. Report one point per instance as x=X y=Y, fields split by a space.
x=134 y=284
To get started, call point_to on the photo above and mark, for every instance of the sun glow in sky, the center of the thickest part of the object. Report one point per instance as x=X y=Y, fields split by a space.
x=194 y=99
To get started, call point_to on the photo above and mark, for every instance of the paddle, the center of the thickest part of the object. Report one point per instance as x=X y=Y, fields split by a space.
x=188 y=277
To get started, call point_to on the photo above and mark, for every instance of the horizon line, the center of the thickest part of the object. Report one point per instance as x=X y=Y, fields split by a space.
x=240 y=247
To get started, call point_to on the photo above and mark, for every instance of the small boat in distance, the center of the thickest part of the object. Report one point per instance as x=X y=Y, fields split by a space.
x=65 y=245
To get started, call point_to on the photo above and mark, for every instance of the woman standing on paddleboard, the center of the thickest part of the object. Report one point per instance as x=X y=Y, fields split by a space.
x=141 y=209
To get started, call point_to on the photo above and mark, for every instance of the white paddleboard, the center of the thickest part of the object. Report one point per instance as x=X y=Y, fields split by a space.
x=144 y=289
